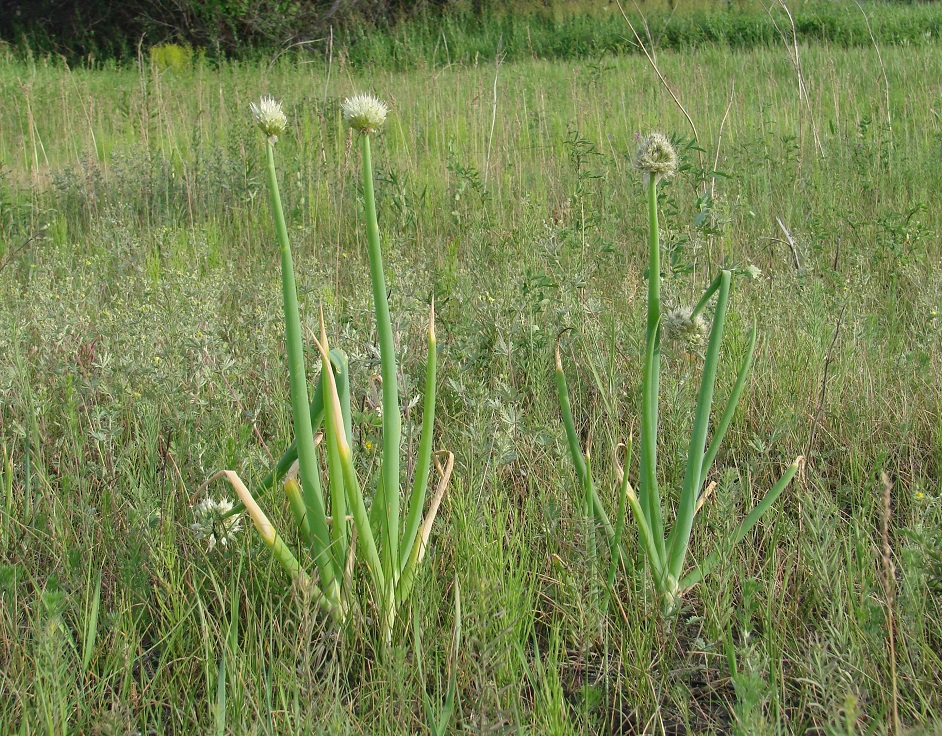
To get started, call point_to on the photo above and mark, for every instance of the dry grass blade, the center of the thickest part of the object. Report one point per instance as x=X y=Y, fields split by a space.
x=425 y=530
x=705 y=496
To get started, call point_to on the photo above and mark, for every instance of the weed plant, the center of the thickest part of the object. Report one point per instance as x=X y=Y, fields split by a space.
x=333 y=544
x=686 y=328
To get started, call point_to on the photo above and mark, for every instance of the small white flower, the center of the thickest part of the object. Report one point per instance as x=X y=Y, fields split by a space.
x=209 y=524
x=678 y=326
x=364 y=113
x=269 y=117
x=656 y=157
x=752 y=272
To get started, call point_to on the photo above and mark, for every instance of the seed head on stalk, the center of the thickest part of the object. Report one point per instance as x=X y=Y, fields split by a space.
x=364 y=113
x=684 y=328
x=656 y=157
x=269 y=117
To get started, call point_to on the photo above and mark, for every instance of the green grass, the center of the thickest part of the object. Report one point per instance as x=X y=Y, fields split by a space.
x=141 y=338
x=598 y=30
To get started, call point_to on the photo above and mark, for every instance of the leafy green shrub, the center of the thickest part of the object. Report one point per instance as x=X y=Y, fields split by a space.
x=172 y=56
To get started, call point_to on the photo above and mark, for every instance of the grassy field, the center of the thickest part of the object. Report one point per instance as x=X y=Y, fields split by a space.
x=142 y=349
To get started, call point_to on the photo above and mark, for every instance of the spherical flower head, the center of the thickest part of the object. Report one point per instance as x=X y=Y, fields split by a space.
x=752 y=272
x=656 y=157
x=210 y=525
x=269 y=117
x=364 y=113
x=681 y=328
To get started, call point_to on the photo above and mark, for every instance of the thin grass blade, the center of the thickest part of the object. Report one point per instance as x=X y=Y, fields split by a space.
x=91 y=625
x=219 y=714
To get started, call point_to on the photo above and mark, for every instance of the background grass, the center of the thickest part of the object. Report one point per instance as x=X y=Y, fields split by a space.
x=142 y=349
x=405 y=34
x=572 y=30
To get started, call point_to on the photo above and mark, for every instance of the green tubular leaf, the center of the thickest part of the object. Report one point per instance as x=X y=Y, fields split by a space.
x=687 y=508
x=341 y=367
x=332 y=426
x=647 y=541
x=392 y=420
x=575 y=452
x=298 y=510
x=420 y=545
x=719 y=433
x=565 y=409
x=648 y=495
x=704 y=568
x=707 y=295
x=424 y=459
x=300 y=409
x=623 y=497
x=365 y=540
x=601 y=518
x=326 y=598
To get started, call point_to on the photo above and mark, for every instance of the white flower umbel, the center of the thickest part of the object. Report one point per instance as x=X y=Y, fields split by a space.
x=269 y=117
x=364 y=113
x=209 y=524
x=656 y=157
x=684 y=329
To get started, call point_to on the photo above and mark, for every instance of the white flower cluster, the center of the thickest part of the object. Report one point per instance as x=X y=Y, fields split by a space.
x=269 y=117
x=209 y=524
x=656 y=157
x=364 y=113
x=681 y=328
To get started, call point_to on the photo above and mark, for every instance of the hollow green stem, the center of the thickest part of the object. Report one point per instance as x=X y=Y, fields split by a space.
x=648 y=495
x=707 y=295
x=392 y=421
x=300 y=409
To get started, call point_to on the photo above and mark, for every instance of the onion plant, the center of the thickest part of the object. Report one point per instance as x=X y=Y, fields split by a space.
x=667 y=554
x=326 y=499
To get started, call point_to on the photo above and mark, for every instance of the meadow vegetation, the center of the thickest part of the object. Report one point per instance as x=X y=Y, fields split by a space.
x=142 y=336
